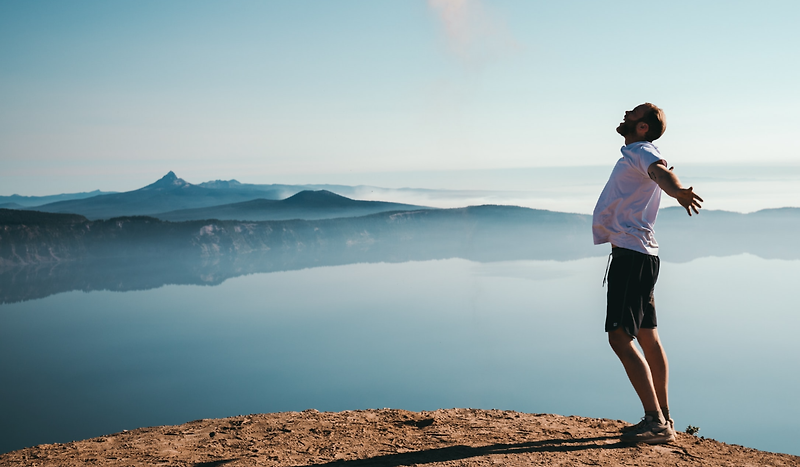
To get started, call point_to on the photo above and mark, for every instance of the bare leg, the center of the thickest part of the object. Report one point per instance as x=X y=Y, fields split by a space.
x=636 y=367
x=657 y=361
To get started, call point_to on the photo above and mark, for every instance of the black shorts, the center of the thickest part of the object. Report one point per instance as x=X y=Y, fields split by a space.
x=632 y=277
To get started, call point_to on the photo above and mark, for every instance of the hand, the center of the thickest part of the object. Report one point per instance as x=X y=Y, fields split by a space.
x=689 y=200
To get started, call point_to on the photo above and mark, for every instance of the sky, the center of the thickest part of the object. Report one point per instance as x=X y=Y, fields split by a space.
x=113 y=95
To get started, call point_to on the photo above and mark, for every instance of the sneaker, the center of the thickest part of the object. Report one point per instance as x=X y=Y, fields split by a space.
x=629 y=428
x=634 y=427
x=649 y=431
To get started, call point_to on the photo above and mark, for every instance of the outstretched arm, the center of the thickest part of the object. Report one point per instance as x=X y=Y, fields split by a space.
x=668 y=181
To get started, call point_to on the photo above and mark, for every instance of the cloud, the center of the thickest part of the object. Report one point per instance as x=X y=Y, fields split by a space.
x=473 y=33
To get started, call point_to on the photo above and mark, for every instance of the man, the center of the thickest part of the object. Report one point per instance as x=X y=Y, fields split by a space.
x=624 y=216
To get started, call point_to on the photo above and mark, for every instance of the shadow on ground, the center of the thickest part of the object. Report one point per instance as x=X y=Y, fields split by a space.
x=454 y=453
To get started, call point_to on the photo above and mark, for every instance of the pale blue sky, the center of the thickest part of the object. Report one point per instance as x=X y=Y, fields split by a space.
x=112 y=95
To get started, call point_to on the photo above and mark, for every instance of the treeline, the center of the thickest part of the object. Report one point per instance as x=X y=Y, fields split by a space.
x=481 y=233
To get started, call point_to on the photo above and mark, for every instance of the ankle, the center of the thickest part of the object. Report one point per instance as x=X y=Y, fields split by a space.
x=655 y=415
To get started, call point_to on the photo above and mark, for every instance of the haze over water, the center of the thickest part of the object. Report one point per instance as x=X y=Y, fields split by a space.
x=519 y=335
x=730 y=187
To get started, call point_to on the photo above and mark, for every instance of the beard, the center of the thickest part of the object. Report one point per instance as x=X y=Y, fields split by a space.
x=627 y=128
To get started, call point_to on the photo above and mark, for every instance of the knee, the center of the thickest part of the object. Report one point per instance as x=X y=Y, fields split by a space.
x=652 y=347
x=619 y=340
x=649 y=340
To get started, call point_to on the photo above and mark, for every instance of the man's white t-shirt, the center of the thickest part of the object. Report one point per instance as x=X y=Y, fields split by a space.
x=626 y=211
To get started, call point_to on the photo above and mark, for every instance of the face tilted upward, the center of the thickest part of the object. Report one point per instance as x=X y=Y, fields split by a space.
x=632 y=118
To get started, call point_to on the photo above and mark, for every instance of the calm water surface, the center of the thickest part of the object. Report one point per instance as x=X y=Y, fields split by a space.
x=524 y=336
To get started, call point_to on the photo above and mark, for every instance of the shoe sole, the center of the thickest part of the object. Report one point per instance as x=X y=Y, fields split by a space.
x=635 y=426
x=654 y=439
x=661 y=437
x=669 y=439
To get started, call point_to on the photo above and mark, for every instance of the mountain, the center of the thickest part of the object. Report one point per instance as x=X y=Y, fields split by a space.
x=33 y=201
x=167 y=194
x=171 y=193
x=308 y=204
x=221 y=184
x=283 y=191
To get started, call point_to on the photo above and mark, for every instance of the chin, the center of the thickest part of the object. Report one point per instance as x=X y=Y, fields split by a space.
x=625 y=128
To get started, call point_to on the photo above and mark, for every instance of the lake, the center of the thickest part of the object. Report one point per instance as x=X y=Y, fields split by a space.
x=515 y=335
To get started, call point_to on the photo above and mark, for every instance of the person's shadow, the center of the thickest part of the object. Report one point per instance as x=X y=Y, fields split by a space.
x=453 y=453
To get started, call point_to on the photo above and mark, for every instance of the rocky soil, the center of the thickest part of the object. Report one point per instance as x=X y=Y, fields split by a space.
x=453 y=437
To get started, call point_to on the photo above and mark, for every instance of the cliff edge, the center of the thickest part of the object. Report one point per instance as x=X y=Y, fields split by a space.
x=388 y=437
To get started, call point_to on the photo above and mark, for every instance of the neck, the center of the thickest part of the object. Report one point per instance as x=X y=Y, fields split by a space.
x=634 y=139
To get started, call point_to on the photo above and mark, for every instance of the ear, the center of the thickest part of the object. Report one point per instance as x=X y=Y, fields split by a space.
x=642 y=128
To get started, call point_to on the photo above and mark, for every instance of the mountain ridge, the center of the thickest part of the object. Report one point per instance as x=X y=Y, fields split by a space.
x=171 y=193
x=168 y=193
x=33 y=201
x=307 y=204
x=167 y=182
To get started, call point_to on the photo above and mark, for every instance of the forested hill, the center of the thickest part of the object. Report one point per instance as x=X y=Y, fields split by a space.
x=480 y=233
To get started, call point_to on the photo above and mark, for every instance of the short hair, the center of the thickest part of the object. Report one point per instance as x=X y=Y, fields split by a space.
x=656 y=120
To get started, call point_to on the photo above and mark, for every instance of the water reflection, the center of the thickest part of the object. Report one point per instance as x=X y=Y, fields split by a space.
x=494 y=317
x=522 y=335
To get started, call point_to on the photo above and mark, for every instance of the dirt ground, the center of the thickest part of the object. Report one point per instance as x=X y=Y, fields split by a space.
x=386 y=437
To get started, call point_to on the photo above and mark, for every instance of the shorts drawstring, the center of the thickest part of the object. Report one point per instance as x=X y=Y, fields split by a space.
x=605 y=276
